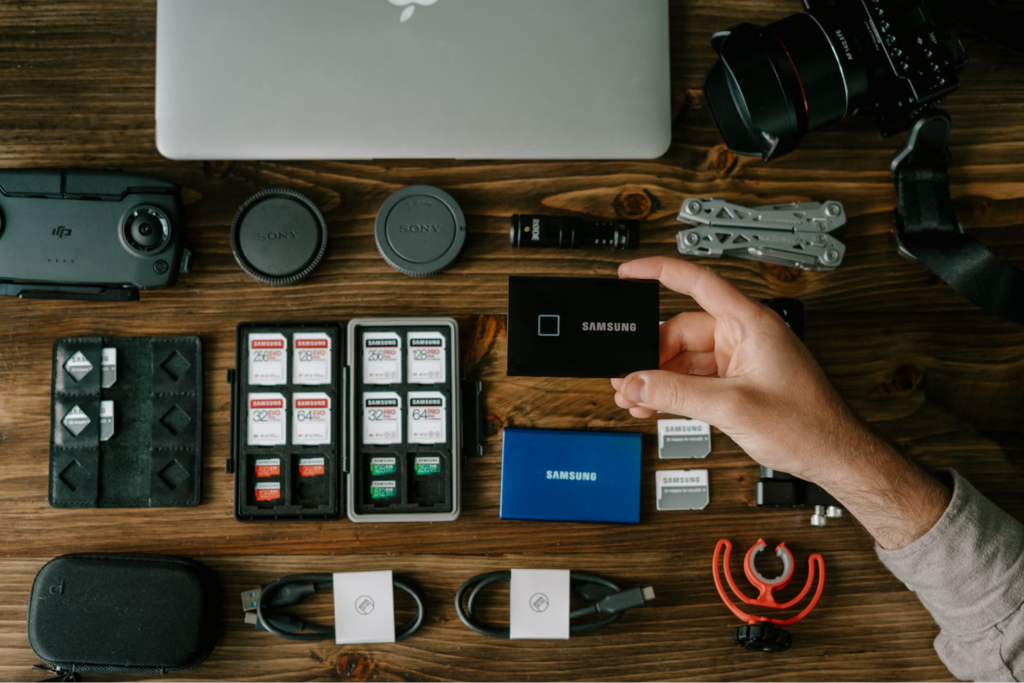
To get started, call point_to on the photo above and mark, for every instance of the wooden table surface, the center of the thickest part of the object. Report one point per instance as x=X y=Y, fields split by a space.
x=943 y=379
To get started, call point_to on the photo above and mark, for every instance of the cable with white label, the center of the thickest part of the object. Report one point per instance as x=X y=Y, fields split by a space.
x=604 y=596
x=263 y=607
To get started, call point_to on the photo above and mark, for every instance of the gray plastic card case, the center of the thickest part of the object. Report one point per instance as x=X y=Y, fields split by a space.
x=405 y=418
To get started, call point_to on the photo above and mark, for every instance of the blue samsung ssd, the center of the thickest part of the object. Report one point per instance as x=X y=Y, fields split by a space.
x=570 y=476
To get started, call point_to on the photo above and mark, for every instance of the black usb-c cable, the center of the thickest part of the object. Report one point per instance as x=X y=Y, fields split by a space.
x=604 y=596
x=263 y=607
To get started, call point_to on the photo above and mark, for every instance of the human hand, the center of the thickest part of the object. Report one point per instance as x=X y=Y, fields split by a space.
x=738 y=366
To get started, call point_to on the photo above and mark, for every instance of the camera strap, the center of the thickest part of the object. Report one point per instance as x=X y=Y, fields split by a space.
x=927 y=229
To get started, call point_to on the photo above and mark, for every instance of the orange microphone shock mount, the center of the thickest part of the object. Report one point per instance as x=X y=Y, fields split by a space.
x=766 y=634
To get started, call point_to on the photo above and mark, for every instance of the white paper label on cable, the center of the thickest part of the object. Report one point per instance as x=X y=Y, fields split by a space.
x=683 y=439
x=364 y=608
x=539 y=604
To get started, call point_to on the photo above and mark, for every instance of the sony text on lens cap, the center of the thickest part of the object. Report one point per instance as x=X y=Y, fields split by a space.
x=279 y=237
x=420 y=230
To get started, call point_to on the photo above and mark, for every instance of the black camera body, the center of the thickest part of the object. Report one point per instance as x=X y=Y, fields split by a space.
x=772 y=85
x=86 y=234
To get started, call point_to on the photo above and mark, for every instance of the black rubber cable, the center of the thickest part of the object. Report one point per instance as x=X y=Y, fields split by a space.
x=322 y=582
x=597 y=589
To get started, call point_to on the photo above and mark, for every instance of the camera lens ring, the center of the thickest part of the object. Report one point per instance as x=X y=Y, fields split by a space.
x=772 y=85
x=146 y=230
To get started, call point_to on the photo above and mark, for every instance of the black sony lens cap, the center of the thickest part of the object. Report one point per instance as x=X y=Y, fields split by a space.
x=420 y=230
x=279 y=236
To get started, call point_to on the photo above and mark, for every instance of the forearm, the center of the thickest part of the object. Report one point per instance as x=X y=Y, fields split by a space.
x=968 y=571
x=893 y=498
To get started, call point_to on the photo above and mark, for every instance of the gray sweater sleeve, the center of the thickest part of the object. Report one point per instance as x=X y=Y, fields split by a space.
x=968 y=571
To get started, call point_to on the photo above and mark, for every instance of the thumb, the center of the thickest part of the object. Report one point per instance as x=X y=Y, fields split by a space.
x=702 y=398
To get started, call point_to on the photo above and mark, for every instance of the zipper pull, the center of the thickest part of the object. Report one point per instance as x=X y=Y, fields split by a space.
x=59 y=674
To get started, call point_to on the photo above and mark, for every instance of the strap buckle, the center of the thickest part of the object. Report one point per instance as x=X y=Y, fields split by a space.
x=920 y=172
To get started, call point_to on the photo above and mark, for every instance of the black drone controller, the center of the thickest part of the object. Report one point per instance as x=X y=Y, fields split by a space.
x=93 y=235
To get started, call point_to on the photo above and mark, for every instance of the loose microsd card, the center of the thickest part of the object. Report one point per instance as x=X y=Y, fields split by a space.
x=311 y=419
x=426 y=464
x=683 y=489
x=383 y=466
x=683 y=439
x=380 y=490
x=382 y=418
x=268 y=359
x=382 y=358
x=108 y=368
x=312 y=362
x=267 y=468
x=311 y=467
x=267 y=419
x=428 y=416
x=76 y=420
x=426 y=358
x=106 y=420
x=267 y=491
x=78 y=366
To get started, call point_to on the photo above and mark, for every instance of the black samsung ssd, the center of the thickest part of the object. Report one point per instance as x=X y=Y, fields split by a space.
x=581 y=327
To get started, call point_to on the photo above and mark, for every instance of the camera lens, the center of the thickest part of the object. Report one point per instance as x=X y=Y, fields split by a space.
x=770 y=86
x=147 y=229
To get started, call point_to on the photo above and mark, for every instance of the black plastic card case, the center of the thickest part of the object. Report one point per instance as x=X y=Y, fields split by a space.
x=123 y=614
x=278 y=473
x=126 y=422
x=370 y=421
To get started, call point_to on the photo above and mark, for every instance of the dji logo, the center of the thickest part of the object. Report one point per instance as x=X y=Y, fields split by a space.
x=364 y=605
x=61 y=232
x=410 y=7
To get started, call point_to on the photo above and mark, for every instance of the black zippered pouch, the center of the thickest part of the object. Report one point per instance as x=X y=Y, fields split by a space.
x=123 y=613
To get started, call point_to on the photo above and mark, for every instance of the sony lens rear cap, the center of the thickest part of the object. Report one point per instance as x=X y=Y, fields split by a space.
x=279 y=236
x=420 y=230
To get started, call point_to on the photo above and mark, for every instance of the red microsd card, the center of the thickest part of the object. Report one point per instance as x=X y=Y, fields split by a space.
x=268 y=467
x=267 y=491
x=311 y=467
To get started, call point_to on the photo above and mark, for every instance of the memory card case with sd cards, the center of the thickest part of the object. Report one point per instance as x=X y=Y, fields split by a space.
x=150 y=455
x=119 y=613
x=279 y=475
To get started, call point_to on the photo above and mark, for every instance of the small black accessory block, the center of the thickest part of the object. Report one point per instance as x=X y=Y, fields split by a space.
x=279 y=237
x=119 y=613
x=582 y=327
x=763 y=637
x=145 y=451
x=92 y=235
x=420 y=230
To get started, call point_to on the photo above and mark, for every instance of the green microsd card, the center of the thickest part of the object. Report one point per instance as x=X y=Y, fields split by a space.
x=382 y=489
x=379 y=466
x=427 y=465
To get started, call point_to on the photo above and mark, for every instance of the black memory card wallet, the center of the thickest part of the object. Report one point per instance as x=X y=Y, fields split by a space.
x=126 y=425
x=123 y=614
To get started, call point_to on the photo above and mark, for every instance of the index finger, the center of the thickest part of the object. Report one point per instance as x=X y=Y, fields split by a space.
x=714 y=294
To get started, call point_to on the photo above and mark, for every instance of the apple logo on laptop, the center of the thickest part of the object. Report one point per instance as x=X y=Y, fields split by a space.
x=410 y=7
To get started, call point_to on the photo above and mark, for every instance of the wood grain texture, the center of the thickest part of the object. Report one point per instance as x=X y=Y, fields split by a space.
x=942 y=379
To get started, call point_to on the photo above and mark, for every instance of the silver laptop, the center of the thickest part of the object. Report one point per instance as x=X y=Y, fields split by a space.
x=378 y=79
